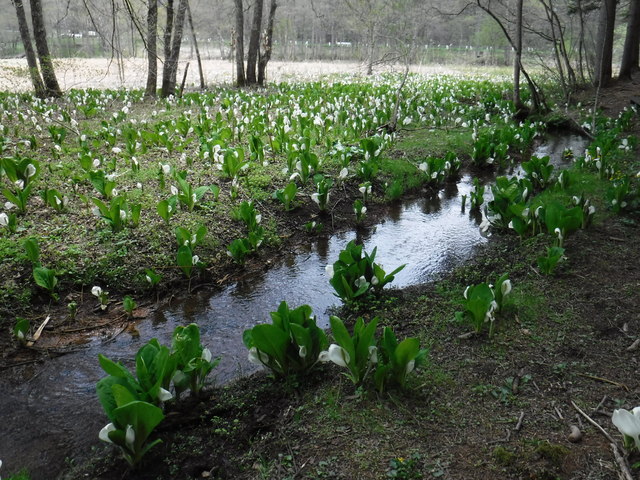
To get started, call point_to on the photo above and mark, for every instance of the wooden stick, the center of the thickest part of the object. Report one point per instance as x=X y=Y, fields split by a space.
x=593 y=422
x=612 y=382
x=519 y=424
x=622 y=463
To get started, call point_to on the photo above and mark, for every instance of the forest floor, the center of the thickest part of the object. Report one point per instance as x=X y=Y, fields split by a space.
x=498 y=407
x=501 y=406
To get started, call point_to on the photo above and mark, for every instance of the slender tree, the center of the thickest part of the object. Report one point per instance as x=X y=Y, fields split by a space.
x=604 y=43
x=238 y=41
x=152 y=48
x=254 y=43
x=170 y=70
x=195 y=44
x=267 y=43
x=517 y=101
x=25 y=35
x=42 y=47
x=630 y=62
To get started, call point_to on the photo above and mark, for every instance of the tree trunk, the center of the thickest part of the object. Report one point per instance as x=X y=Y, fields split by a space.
x=631 y=54
x=604 y=55
x=168 y=31
x=34 y=71
x=518 y=56
x=239 y=44
x=46 y=65
x=371 y=38
x=254 y=42
x=195 y=45
x=152 y=49
x=265 y=55
x=170 y=70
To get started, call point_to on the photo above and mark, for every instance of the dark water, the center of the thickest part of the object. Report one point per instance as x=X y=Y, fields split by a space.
x=50 y=411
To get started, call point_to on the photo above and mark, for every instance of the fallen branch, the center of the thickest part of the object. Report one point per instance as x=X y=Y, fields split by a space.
x=622 y=463
x=519 y=424
x=594 y=423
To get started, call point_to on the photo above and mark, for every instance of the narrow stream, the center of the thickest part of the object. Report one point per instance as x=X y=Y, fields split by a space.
x=50 y=410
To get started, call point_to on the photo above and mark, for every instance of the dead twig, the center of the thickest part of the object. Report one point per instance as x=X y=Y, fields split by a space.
x=502 y=440
x=612 y=382
x=593 y=422
x=622 y=463
x=519 y=424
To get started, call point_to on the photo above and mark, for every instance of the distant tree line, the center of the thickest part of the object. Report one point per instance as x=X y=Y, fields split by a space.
x=577 y=41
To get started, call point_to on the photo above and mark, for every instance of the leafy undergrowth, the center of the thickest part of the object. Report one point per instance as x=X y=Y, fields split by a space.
x=498 y=406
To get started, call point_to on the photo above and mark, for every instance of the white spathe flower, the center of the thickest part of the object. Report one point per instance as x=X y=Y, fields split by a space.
x=373 y=354
x=130 y=437
x=95 y=163
x=335 y=354
x=116 y=150
x=258 y=218
x=104 y=433
x=97 y=291
x=302 y=351
x=558 y=232
x=628 y=423
x=20 y=184
x=343 y=173
x=166 y=169
x=195 y=259
x=9 y=205
x=505 y=288
x=149 y=279
x=31 y=170
x=123 y=215
x=374 y=280
x=466 y=291
x=329 y=270
x=164 y=395
x=410 y=366
x=174 y=190
x=4 y=219
x=423 y=166
x=316 y=198
x=360 y=281
x=206 y=355
x=257 y=357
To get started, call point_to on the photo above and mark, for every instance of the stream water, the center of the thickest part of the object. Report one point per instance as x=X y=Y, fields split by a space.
x=50 y=411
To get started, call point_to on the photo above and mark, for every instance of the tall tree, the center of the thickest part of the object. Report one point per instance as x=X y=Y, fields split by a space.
x=238 y=41
x=267 y=43
x=517 y=101
x=152 y=48
x=604 y=43
x=194 y=39
x=254 y=42
x=630 y=62
x=25 y=35
x=42 y=47
x=170 y=70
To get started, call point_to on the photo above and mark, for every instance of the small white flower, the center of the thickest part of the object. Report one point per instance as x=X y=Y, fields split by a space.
x=20 y=184
x=258 y=218
x=9 y=205
x=466 y=291
x=116 y=150
x=335 y=354
x=195 y=260
x=4 y=219
x=206 y=355
x=329 y=270
x=96 y=163
x=505 y=288
x=31 y=170
x=123 y=215
x=423 y=166
x=96 y=291
x=360 y=281
x=166 y=169
x=343 y=173
x=373 y=354
x=628 y=423
x=130 y=437
x=410 y=366
x=374 y=280
x=316 y=198
x=164 y=395
x=174 y=190
x=149 y=279
x=302 y=351
x=257 y=357
x=104 y=433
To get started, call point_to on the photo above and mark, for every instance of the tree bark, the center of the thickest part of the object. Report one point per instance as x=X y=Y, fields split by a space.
x=265 y=55
x=517 y=101
x=604 y=55
x=168 y=31
x=152 y=49
x=254 y=42
x=630 y=62
x=46 y=65
x=239 y=44
x=34 y=71
x=170 y=70
x=195 y=45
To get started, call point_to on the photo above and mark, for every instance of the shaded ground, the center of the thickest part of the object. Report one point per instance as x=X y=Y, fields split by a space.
x=564 y=339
